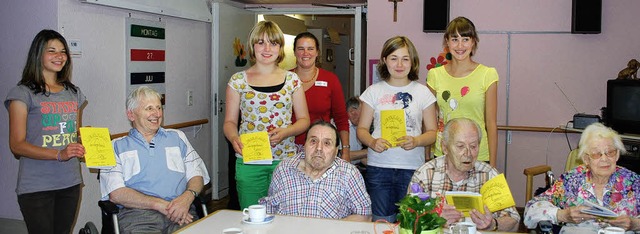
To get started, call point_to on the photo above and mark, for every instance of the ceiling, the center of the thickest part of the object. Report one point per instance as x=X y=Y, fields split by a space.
x=346 y=2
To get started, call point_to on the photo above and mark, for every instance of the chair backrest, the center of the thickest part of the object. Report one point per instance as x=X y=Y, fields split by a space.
x=573 y=160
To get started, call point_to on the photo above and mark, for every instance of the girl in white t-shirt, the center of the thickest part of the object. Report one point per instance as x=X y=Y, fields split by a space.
x=390 y=167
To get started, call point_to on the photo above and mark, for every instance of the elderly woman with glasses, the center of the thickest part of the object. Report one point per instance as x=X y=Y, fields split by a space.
x=598 y=181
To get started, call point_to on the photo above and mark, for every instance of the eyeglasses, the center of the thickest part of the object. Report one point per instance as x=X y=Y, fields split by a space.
x=610 y=154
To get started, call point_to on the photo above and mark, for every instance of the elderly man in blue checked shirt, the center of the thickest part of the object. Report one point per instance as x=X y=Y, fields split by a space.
x=157 y=173
x=316 y=183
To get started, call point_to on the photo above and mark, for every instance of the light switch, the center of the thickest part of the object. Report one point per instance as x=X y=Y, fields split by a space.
x=75 y=48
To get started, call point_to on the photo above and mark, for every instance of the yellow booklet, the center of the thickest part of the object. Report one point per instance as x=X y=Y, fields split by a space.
x=393 y=125
x=495 y=193
x=99 y=152
x=256 y=148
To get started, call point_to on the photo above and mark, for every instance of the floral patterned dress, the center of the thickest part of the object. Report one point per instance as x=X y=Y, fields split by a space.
x=262 y=111
x=621 y=195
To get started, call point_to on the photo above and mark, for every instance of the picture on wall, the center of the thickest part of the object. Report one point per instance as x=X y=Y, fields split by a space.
x=374 y=76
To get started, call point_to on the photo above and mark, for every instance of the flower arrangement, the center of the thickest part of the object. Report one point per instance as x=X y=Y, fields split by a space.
x=239 y=52
x=420 y=212
x=441 y=60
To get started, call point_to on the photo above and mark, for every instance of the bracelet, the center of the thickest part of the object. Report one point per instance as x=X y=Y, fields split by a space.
x=346 y=146
x=58 y=156
x=195 y=194
x=496 y=227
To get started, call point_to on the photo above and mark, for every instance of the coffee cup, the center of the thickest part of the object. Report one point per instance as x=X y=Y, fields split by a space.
x=463 y=228
x=256 y=213
x=611 y=230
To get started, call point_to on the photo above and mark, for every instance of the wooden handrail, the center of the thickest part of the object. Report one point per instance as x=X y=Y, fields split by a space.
x=535 y=129
x=503 y=128
x=178 y=125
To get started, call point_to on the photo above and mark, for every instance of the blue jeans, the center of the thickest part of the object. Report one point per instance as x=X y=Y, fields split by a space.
x=386 y=186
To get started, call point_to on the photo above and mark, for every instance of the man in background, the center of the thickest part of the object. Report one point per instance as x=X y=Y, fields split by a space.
x=358 y=154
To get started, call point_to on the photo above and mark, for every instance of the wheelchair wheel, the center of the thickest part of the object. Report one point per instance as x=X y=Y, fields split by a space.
x=89 y=228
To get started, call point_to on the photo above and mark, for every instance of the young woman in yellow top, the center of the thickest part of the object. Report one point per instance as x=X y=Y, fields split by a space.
x=465 y=88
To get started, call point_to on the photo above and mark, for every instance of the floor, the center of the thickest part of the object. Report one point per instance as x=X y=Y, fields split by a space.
x=12 y=226
x=214 y=205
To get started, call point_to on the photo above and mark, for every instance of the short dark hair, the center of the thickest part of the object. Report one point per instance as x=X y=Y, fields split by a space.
x=353 y=102
x=321 y=122
x=306 y=35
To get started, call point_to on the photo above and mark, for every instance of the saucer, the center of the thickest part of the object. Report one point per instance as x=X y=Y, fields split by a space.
x=267 y=219
x=448 y=231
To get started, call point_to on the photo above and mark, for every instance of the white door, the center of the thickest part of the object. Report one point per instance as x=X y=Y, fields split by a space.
x=233 y=23
x=343 y=66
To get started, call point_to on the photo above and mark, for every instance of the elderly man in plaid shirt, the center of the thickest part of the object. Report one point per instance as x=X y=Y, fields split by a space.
x=316 y=183
x=459 y=170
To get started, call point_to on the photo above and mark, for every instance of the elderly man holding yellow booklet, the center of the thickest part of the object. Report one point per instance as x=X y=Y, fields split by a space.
x=459 y=170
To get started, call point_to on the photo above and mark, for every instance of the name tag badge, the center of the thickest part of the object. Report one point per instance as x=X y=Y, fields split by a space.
x=321 y=83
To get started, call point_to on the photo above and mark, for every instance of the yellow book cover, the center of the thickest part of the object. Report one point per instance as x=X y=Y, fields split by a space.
x=495 y=193
x=99 y=152
x=393 y=125
x=465 y=201
x=256 y=148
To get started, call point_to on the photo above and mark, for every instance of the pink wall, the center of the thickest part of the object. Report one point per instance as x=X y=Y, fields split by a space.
x=536 y=36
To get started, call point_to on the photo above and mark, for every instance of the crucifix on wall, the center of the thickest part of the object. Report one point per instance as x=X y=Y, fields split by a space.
x=395 y=9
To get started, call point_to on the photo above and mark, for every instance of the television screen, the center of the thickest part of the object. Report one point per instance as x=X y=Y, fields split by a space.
x=623 y=105
x=626 y=103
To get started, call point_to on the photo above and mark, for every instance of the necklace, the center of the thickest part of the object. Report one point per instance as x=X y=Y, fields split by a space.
x=312 y=78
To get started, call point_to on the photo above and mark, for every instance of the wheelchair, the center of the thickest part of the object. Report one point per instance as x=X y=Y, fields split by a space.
x=110 y=211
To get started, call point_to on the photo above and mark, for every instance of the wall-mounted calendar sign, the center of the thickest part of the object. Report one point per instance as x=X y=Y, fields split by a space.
x=145 y=55
x=143 y=78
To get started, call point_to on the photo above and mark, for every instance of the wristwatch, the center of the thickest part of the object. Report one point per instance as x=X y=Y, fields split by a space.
x=195 y=194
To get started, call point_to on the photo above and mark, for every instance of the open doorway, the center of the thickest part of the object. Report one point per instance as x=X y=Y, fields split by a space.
x=335 y=35
x=234 y=22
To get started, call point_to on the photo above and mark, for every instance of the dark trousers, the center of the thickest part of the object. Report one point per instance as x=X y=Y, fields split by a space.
x=50 y=211
x=148 y=221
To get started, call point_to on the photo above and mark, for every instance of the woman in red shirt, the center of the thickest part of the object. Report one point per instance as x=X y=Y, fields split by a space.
x=322 y=88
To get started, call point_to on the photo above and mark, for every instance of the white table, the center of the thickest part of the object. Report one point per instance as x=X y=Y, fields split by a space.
x=220 y=220
x=223 y=219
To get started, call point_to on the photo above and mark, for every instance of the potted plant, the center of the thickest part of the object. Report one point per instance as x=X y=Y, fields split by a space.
x=420 y=213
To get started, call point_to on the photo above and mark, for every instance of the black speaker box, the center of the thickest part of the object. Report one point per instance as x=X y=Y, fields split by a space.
x=586 y=16
x=436 y=16
x=581 y=121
